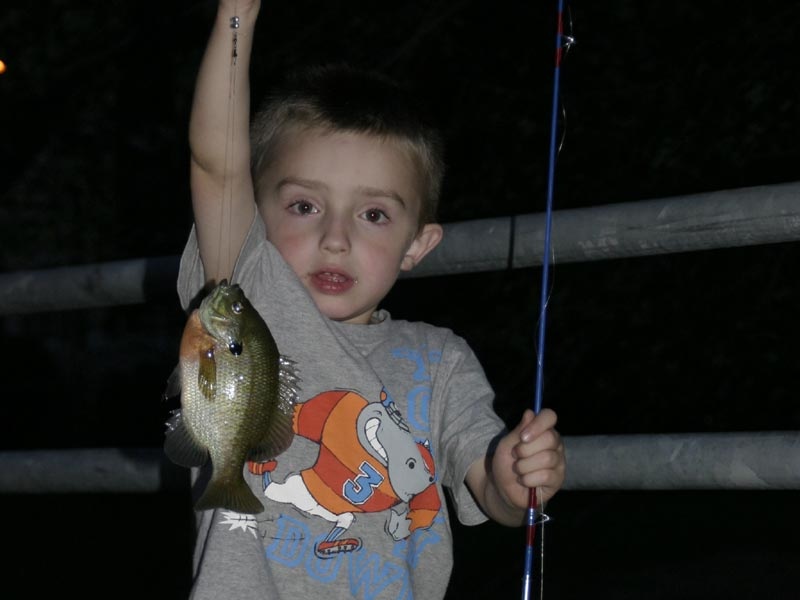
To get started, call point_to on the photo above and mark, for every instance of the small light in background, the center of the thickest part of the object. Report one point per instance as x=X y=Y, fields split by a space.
x=2 y=67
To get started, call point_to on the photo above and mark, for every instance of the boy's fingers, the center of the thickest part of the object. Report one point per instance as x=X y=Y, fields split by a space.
x=538 y=424
x=516 y=433
x=549 y=440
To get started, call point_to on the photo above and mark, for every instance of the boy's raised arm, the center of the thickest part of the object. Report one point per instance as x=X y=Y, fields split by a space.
x=221 y=183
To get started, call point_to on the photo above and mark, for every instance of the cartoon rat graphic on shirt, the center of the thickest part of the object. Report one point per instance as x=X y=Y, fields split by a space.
x=368 y=462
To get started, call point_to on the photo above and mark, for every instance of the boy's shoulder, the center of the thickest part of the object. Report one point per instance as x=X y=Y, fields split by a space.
x=433 y=335
x=383 y=317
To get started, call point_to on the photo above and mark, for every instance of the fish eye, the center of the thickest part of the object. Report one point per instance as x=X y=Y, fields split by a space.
x=411 y=463
x=237 y=307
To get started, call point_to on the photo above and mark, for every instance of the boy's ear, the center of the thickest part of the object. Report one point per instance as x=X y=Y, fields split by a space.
x=425 y=241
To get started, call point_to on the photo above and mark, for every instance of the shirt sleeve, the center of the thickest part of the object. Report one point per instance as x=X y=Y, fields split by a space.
x=469 y=424
x=191 y=275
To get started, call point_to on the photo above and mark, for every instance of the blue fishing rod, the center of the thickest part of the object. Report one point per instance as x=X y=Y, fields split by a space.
x=537 y=406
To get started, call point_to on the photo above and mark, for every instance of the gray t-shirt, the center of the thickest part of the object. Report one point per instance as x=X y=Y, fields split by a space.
x=390 y=413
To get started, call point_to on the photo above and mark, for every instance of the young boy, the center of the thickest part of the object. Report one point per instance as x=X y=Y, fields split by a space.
x=342 y=195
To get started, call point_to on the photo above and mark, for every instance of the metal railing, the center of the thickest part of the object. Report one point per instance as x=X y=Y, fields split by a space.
x=707 y=461
x=725 y=219
x=751 y=216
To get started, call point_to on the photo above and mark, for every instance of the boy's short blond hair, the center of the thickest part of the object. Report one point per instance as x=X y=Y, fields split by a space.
x=341 y=98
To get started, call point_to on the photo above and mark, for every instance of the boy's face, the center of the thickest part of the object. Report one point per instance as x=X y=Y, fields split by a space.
x=342 y=209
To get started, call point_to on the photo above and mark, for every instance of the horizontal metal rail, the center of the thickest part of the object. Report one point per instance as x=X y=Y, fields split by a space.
x=723 y=219
x=707 y=461
x=731 y=461
x=90 y=470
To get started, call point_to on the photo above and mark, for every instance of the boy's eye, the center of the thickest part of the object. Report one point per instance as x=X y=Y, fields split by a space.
x=375 y=215
x=303 y=207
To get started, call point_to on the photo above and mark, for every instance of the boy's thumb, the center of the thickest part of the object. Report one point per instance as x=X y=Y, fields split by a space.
x=527 y=418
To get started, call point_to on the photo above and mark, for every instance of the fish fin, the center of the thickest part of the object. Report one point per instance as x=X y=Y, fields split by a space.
x=173 y=387
x=233 y=495
x=180 y=445
x=207 y=374
x=278 y=437
x=288 y=385
x=280 y=433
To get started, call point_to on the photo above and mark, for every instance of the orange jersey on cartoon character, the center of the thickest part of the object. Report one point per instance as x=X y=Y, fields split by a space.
x=368 y=461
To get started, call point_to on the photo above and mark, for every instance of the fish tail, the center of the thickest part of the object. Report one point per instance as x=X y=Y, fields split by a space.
x=233 y=495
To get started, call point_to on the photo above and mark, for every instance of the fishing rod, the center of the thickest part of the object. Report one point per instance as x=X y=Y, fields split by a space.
x=530 y=536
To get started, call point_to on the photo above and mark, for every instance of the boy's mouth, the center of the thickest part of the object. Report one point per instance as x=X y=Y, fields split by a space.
x=332 y=282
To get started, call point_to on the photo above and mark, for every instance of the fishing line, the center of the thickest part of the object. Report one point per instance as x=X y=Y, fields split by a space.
x=562 y=45
x=226 y=206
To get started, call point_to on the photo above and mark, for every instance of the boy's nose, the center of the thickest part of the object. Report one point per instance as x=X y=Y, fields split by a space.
x=335 y=237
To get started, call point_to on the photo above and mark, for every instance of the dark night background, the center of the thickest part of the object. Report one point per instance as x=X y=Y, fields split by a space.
x=661 y=99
